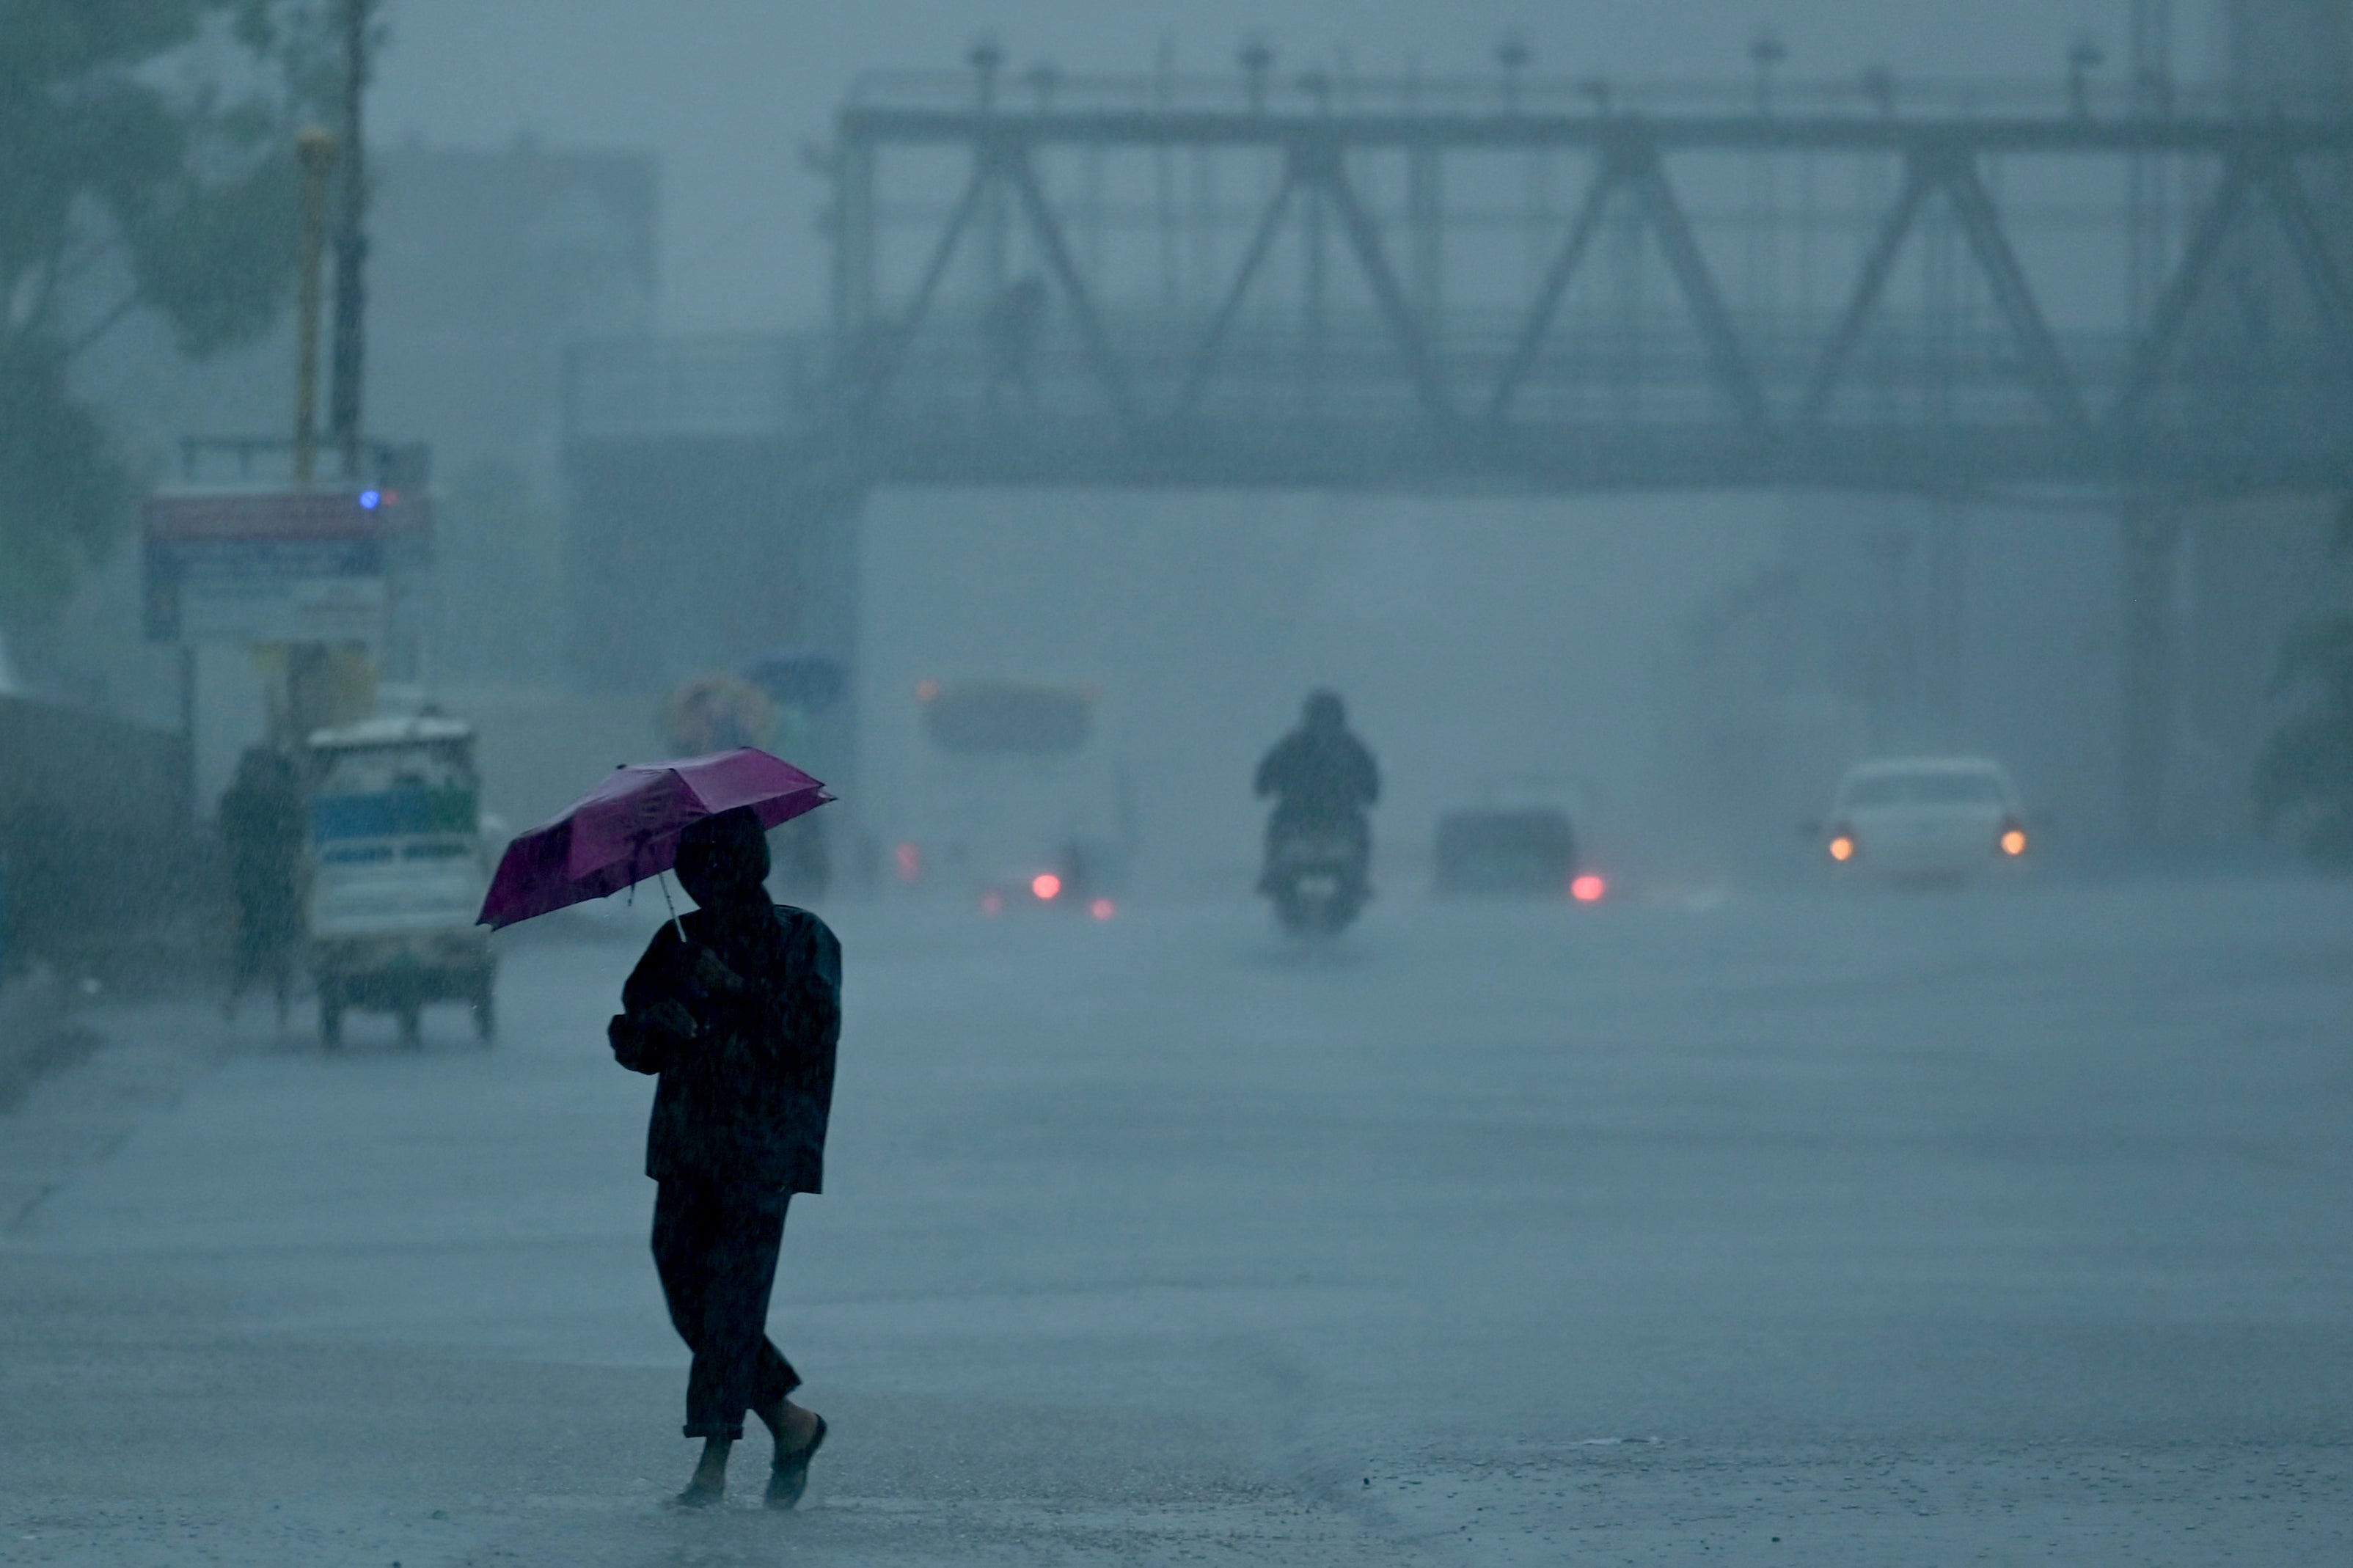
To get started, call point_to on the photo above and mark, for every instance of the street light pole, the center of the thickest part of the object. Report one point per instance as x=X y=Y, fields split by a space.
x=344 y=414
x=314 y=150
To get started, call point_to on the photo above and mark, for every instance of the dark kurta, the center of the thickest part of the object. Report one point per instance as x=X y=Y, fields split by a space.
x=261 y=825
x=747 y=1101
x=1319 y=773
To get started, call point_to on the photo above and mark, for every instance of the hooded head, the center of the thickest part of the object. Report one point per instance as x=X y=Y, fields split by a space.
x=1324 y=711
x=723 y=858
x=264 y=768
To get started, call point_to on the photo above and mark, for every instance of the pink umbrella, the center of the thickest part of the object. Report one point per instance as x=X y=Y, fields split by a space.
x=627 y=828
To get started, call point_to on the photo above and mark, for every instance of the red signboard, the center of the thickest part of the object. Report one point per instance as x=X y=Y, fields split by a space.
x=278 y=566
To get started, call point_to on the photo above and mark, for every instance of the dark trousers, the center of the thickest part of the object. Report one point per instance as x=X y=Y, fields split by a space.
x=715 y=1247
x=266 y=929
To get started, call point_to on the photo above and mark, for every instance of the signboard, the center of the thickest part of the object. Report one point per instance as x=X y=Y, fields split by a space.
x=278 y=566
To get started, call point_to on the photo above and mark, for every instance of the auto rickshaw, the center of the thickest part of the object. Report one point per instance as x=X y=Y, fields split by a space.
x=399 y=868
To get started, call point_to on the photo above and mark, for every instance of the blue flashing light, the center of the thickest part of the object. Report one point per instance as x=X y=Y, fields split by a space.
x=371 y=500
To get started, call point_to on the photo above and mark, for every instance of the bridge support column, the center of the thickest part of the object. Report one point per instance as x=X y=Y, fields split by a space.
x=2152 y=535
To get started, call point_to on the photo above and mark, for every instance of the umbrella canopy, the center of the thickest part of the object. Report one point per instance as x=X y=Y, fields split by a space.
x=627 y=828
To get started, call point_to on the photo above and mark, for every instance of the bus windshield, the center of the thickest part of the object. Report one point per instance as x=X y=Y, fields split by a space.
x=1006 y=719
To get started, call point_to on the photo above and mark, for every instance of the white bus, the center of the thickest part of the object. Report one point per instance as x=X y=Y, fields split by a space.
x=1014 y=797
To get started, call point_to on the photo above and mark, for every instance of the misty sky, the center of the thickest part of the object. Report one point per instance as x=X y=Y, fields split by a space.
x=726 y=92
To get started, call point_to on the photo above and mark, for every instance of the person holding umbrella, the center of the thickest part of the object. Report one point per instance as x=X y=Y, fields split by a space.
x=737 y=1009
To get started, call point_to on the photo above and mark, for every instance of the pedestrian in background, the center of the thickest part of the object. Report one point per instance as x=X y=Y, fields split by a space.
x=261 y=827
x=738 y=1008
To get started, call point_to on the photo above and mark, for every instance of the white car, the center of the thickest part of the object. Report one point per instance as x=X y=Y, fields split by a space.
x=1925 y=819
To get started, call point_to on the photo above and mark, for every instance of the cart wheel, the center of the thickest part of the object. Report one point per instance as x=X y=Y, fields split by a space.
x=331 y=1014
x=411 y=1036
x=486 y=1013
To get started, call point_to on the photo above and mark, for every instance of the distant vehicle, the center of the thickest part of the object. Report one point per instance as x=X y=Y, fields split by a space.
x=1527 y=850
x=1018 y=798
x=397 y=870
x=1925 y=819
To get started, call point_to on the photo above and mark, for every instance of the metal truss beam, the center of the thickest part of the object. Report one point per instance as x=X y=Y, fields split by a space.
x=1594 y=133
x=1204 y=361
x=1952 y=173
x=1326 y=171
x=881 y=361
x=1057 y=252
x=1148 y=379
x=2046 y=367
x=2271 y=174
x=1878 y=264
x=1726 y=358
x=2181 y=292
x=1611 y=174
x=2308 y=242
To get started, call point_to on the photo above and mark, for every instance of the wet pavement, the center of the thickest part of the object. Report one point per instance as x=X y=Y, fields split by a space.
x=1789 y=1229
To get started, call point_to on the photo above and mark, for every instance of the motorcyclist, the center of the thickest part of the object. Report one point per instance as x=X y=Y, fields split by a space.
x=1323 y=779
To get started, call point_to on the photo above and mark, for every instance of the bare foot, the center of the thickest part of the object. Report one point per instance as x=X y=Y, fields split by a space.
x=708 y=1483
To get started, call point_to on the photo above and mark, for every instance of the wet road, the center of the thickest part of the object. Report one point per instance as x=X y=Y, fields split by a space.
x=1788 y=1229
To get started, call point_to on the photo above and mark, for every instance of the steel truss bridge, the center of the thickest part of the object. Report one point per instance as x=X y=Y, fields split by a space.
x=1520 y=287
x=1304 y=291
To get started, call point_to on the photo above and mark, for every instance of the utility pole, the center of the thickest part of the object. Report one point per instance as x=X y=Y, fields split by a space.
x=343 y=414
x=314 y=150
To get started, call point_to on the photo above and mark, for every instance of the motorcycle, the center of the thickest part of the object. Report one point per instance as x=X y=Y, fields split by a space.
x=1315 y=875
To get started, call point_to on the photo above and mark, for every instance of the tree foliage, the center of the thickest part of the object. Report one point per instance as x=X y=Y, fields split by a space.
x=148 y=167
x=62 y=494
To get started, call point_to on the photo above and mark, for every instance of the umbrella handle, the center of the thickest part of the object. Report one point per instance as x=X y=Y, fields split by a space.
x=663 y=878
x=637 y=849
